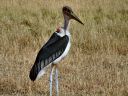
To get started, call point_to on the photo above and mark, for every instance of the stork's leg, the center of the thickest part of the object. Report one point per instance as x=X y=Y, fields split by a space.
x=57 y=82
x=51 y=78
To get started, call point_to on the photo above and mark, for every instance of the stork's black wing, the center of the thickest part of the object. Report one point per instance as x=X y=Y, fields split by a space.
x=48 y=53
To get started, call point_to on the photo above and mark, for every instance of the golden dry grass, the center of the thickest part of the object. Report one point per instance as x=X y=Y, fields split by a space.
x=97 y=64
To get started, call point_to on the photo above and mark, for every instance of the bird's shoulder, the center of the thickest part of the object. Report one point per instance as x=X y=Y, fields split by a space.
x=56 y=38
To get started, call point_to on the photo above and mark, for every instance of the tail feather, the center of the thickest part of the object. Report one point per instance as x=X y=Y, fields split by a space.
x=34 y=72
x=37 y=71
x=41 y=73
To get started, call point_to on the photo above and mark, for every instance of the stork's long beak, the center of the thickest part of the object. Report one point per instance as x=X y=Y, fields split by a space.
x=73 y=16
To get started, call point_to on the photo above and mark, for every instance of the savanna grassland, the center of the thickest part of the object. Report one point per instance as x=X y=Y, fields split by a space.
x=97 y=64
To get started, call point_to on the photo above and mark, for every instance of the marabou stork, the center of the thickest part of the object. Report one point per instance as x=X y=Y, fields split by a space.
x=54 y=50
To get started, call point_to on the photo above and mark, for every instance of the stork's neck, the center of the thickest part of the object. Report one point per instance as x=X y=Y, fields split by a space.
x=66 y=22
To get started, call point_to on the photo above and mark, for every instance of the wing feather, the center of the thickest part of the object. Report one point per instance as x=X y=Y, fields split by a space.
x=48 y=53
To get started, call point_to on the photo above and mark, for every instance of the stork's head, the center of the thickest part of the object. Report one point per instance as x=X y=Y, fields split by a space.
x=69 y=14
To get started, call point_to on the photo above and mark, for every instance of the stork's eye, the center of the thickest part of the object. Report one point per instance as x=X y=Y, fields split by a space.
x=68 y=10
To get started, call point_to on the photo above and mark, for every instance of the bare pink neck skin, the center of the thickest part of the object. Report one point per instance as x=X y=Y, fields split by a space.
x=66 y=22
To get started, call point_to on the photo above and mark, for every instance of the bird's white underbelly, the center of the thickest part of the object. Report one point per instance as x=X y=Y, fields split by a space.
x=64 y=54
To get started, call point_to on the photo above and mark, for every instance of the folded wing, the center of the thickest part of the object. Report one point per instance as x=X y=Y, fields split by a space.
x=48 y=53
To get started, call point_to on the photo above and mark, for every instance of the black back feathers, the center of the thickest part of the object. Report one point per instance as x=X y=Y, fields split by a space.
x=54 y=48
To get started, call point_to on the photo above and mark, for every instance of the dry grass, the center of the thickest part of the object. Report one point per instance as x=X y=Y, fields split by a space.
x=97 y=64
